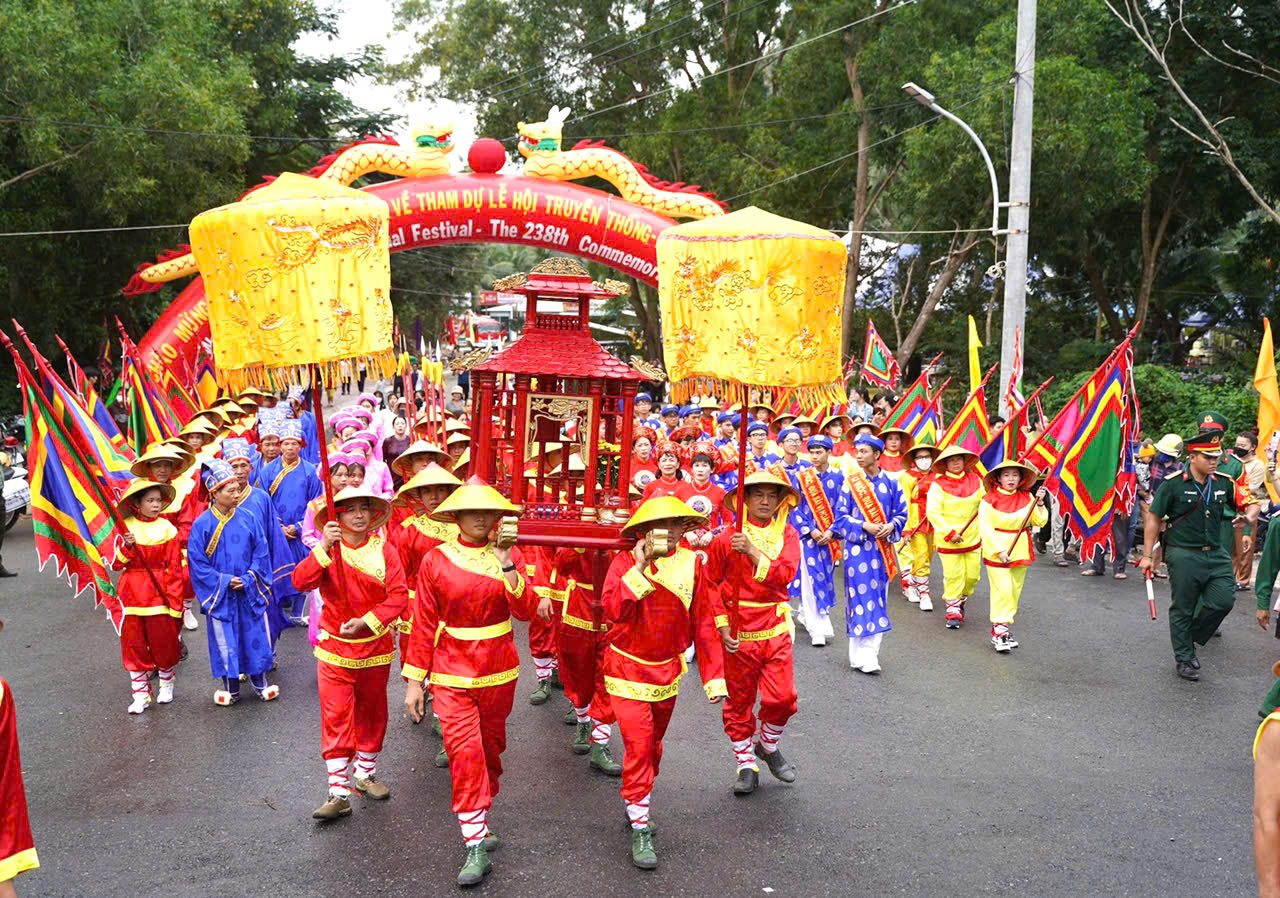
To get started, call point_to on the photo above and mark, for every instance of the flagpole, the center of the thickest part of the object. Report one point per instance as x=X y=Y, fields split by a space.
x=739 y=499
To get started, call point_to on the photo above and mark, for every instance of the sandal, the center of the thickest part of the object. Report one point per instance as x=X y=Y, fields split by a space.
x=1088 y=572
x=1120 y=575
x=1061 y=562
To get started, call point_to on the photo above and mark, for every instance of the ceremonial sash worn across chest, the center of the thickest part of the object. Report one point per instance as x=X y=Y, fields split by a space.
x=864 y=494
x=285 y=469
x=778 y=469
x=824 y=516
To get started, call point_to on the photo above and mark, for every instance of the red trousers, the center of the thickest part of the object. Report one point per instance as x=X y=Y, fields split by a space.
x=582 y=670
x=542 y=633
x=353 y=709
x=17 y=851
x=762 y=668
x=150 y=643
x=642 y=725
x=474 y=724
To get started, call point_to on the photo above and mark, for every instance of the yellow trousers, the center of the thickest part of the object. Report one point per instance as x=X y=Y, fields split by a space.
x=1006 y=588
x=960 y=574
x=921 y=554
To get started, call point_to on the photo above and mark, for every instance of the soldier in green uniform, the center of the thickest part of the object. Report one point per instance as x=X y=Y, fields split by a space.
x=1196 y=503
x=1232 y=467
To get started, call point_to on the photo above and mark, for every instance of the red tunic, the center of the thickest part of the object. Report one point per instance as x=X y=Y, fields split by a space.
x=462 y=611
x=891 y=462
x=370 y=585
x=664 y=487
x=17 y=850
x=414 y=536
x=152 y=602
x=759 y=590
x=653 y=617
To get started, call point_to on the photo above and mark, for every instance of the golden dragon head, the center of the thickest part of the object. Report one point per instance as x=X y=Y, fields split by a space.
x=542 y=137
x=432 y=144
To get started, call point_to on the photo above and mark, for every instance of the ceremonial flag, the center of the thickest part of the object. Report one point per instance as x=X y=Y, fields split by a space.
x=71 y=513
x=878 y=364
x=927 y=428
x=1264 y=378
x=107 y=462
x=106 y=370
x=206 y=381
x=93 y=404
x=971 y=429
x=914 y=402
x=1085 y=474
x=178 y=398
x=1008 y=441
x=150 y=418
x=1012 y=394
x=975 y=367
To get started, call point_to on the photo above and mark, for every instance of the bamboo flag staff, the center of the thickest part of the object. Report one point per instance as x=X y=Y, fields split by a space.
x=298 y=277
x=751 y=304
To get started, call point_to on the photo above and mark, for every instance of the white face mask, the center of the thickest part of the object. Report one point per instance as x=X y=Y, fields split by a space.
x=924 y=463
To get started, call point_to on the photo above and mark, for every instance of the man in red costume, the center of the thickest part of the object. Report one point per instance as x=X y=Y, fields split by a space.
x=656 y=604
x=753 y=569
x=17 y=850
x=364 y=594
x=466 y=595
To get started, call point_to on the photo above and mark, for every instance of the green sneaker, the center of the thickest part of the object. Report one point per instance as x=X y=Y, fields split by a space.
x=555 y=679
x=442 y=758
x=570 y=717
x=582 y=738
x=603 y=761
x=435 y=728
x=541 y=695
x=491 y=842
x=642 y=853
x=476 y=867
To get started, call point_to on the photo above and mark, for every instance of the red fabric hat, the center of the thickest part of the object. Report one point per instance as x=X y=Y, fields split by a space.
x=647 y=432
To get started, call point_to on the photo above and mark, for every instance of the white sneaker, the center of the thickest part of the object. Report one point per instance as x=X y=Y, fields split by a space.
x=926 y=603
x=818 y=641
x=1002 y=644
x=871 y=664
x=165 y=694
x=688 y=655
x=189 y=620
x=911 y=594
x=139 y=704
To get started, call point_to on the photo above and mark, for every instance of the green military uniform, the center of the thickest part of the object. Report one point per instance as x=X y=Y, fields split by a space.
x=1268 y=569
x=1198 y=555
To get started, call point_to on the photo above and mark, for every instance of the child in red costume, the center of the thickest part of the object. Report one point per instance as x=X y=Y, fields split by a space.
x=466 y=595
x=363 y=596
x=165 y=463
x=655 y=607
x=753 y=569
x=150 y=554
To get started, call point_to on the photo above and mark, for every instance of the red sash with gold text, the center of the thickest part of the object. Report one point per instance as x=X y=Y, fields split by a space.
x=823 y=515
x=869 y=505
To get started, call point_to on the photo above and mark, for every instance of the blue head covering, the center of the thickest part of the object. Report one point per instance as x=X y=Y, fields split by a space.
x=669 y=410
x=233 y=448
x=216 y=473
x=867 y=439
x=290 y=429
x=788 y=432
x=643 y=397
x=690 y=410
x=820 y=441
x=725 y=416
x=755 y=426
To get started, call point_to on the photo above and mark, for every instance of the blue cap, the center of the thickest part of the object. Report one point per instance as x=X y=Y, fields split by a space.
x=724 y=416
x=234 y=448
x=789 y=432
x=216 y=473
x=690 y=410
x=643 y=397
x=669 y=410
x=820 y=441
x=867 y=439
x=757 y=426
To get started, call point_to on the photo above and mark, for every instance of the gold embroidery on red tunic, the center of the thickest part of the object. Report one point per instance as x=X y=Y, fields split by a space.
x=675 y=573
x=473 y=559
x=368 y=559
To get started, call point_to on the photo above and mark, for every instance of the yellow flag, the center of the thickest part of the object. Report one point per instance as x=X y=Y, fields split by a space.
x=975 y=367
x=1264 y=378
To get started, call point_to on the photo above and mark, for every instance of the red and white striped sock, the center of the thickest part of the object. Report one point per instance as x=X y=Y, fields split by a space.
x=138 y=683
x=922 y=587
x=584 y=714
x=366 y=764
x=769 y=736
x=544 y=667
x=999 y=629
x=743 y=755
x=474 y=826
x=600 y=733
x=905 y=580
x=955 y=609
x=638 y=812
x=339 y=783
x=167 y=676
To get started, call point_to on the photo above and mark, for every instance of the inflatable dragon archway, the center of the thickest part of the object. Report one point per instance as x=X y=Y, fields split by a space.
x=431 y=207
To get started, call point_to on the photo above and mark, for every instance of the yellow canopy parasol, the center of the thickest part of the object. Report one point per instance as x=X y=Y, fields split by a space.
x=297 y=273
x=752 y=299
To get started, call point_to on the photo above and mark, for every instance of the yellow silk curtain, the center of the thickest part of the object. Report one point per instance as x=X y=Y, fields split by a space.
x=297 y=273
x=752 y=299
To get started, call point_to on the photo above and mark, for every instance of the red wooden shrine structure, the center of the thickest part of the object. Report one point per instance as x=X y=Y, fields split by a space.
x=560 y=411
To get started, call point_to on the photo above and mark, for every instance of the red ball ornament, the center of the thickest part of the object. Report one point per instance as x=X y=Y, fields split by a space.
x=487 y=156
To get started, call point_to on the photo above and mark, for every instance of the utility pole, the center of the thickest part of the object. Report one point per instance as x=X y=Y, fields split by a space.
x=1015 y=277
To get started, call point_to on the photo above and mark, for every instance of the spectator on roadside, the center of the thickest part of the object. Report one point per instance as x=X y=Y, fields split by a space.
x=1165 y=464
x=456 y=405
x=859 y=408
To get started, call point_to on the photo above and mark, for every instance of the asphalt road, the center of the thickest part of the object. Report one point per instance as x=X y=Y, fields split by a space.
x=1079 y=765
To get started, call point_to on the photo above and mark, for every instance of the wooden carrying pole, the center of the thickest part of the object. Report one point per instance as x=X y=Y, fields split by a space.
x=740 y=498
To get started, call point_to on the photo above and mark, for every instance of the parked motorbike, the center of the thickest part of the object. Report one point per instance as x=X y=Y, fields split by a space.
x=17 y=491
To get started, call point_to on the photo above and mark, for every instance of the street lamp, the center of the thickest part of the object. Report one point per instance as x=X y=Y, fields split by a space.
x=927 y=100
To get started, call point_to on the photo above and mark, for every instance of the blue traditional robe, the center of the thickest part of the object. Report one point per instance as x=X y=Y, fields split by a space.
x=817 y=570
x=653 y=422
x=257 y=502
x=311 y=451
x=219 y=549
x=290 y=491
x=865 y=579
x=729 y=479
